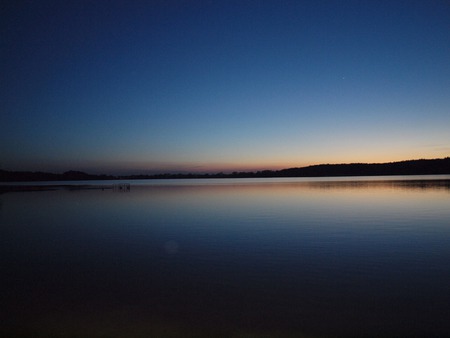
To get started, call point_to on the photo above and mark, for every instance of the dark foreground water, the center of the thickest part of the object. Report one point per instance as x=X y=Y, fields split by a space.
x=276 y=257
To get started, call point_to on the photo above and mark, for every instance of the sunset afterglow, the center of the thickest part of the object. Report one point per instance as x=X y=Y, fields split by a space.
x=156 y=86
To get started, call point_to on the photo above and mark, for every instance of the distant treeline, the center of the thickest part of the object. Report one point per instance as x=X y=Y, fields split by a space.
x=26 y=176
x=412 y=167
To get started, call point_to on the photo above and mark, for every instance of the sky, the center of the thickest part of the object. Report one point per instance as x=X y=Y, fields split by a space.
x=209 y=86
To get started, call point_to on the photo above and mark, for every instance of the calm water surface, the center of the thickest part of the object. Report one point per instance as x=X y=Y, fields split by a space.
x=286 y=257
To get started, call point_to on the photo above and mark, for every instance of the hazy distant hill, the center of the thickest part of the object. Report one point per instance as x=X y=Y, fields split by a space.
x=26 y=176
x=412 y=167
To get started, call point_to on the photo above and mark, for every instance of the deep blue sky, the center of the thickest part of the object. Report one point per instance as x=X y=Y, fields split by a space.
x=145 y=86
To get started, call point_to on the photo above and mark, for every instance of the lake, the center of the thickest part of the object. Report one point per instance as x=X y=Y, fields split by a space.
x=366 y=256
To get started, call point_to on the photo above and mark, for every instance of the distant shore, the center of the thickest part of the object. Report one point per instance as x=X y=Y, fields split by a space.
x=41 y=186
x=410 y=167
x=48 y=187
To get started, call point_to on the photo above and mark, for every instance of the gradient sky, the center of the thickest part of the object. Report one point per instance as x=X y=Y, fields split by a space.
x=208 y=86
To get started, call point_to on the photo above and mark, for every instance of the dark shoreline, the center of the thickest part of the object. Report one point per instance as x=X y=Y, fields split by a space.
x=51 y=187
x=411 y=167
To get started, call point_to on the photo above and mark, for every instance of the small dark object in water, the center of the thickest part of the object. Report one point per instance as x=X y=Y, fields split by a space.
x=121 y=187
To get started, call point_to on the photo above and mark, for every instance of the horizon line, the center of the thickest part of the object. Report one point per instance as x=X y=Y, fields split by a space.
x=227 y=172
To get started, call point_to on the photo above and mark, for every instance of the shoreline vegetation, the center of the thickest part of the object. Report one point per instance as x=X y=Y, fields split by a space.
x=410 y=167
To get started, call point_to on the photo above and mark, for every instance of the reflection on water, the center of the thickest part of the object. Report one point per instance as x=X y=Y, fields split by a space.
x=229 y=257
